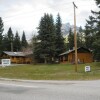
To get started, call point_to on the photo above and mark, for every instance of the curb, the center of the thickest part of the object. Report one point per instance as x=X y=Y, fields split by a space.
x=47 y=81
x=37 y=81
x=19 y=80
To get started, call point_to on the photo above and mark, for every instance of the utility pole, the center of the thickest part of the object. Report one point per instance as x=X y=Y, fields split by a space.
x=75 y=37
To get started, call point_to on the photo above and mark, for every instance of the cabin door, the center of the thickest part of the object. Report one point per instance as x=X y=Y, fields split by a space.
x=73 y=58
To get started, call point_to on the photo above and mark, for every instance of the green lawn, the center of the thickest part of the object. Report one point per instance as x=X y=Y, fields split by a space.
x=51 y=72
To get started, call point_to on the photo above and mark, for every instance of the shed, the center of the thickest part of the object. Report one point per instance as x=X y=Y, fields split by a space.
x=84 y=55
x=16 y=57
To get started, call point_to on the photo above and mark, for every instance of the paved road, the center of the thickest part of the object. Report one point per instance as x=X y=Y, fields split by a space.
x=50 y=90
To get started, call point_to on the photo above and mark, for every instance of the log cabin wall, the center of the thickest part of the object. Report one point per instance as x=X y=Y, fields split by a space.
x=83 y=56
x=17 y=59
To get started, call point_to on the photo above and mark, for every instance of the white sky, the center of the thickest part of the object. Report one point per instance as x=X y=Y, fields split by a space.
x=26 y=14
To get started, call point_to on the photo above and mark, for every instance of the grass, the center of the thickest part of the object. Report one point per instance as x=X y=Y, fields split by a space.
x=51 y=72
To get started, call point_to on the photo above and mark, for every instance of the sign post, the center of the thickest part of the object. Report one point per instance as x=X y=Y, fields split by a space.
x=87 y=69
x=5 y=62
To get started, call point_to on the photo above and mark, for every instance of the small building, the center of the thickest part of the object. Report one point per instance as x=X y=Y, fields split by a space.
x=17 y=57
x=83 y=56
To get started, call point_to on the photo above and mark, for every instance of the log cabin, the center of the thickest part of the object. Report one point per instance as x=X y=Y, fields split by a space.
x=83 y=56
x=17 y=57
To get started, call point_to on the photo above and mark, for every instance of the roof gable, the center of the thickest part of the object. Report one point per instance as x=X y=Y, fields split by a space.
x=79 y=50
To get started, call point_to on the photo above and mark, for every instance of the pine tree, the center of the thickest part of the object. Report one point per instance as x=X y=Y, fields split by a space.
x=47 y=38
x=96 y=43
x=17 y=43
x=24 y=42
x=98 y=3
x=71 y=39
x=5 y=43
x=1 y=31
x=10 y=37
x=93 y=32
x=96 y=50
x=35 y=48
x=59 y=40
x=89 y=32
x=80 y=38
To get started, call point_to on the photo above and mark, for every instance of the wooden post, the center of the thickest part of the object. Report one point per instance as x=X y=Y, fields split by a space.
x=75 y=37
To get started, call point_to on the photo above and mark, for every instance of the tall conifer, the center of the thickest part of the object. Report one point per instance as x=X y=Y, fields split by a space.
x=59 y=40
x=17 y=43
x=10 y=37
x=24 y=42
x=46 y=37
x=1 y=31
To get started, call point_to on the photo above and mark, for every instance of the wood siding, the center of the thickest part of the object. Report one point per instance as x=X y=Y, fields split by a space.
x=82 y=57
x=17 y=59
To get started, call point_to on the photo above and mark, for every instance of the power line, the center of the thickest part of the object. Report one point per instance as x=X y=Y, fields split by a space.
x=39 y=10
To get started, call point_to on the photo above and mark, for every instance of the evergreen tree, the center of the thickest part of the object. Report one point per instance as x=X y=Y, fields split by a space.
x=47 y=38
x=96 y=50
x=5 y=43
x=92 y=32
x=59 y=40
x=80 y=38
x=10 y=37
x=96 y=43
x=36 y=50
x=24 y=42
x=71 y=39
x=1 y=31
x=17 y=43
x=98 y=3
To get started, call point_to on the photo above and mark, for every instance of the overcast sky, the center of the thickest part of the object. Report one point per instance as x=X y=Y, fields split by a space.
x=26 y=14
